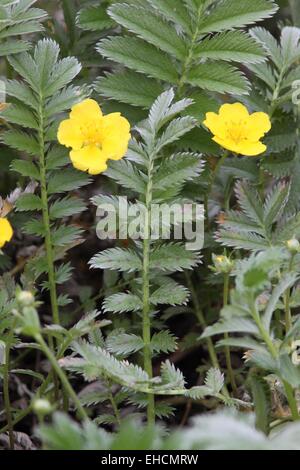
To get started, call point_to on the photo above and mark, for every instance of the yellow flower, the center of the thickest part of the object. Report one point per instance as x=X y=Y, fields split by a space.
x=237 y=130
x=94 y=138
x=6 y=231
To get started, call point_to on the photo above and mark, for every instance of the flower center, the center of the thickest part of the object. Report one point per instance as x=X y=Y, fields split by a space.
x=237 y=130
x=92 y=134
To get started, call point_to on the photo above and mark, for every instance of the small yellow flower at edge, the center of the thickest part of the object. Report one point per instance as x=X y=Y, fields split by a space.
x=6 y=232
x=238 y=131
x=94 y=138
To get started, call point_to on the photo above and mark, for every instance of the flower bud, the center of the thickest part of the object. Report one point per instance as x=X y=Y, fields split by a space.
x=25 y=299
x=222 y=264
x=293 y=245
x=42 y=407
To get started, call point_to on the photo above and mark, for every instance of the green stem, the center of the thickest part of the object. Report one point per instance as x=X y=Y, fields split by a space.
x=62 y=376
x=46 y=217
x=274 y=353
x=39 y=393
x=291 y=400
x=226 y=337
x=146 y=292
x=6 y=395
x=115 y=408
x=216 y=170
x=189 y=59
x=287 y=298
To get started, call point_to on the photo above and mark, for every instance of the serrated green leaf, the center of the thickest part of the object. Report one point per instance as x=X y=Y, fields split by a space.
x=66 y=207
x=232 y=325
x=235 y=46
x=28 y=202
x=137 y=55
x=117 y=259
x=124 y=344
x=25 y=168
x=220 y=77
x=170 y=293
x=163 y=342
x=21 y=141
x=173 y=257
x=175 y=11
x=125 y=173
x=235 y=14
x=150 y=27
x=20 y=115
x=65 y=235
x=94 y=18
x=123 y=302
x=129 y=87
x=68 y=180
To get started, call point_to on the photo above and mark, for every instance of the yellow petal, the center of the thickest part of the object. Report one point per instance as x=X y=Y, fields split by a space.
x=116 y=136
x=234 y=112
x=70 y=135
x=215 y=124
x=227 y=144
x=6 y=231
x=251 y=149
x=86 y=111
x=258 y=125
x=89 y=158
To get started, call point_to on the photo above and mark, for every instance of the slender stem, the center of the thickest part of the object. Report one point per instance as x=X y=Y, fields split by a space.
x=146 y=292
x=288 y=388
x=39 y=393
x=226 y=336
x=6 y=390
x=115 y=408
x=46 y=217
x=189 y=58
x=287 y=298
x=291 y=400
x=199 y=314
x=62 y=376
x=216 y=170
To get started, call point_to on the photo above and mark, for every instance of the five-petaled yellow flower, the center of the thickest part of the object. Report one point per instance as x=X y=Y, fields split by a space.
x=6 y=231
x=94 y=138
x=237 y=130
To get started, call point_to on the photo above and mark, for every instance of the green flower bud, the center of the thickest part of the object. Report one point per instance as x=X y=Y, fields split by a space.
x=222 y=264
x=293 y=245
x=30 y=321
x=25 y=299
x=42 y=407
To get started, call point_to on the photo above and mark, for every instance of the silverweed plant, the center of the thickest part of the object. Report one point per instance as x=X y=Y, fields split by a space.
x=149 y=224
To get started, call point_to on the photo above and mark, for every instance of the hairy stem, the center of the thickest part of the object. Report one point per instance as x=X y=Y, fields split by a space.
x=6 y=395
x=226 y=336
x=40 y=392
x=46 y=217
x=189 y=58
x=274 y=353
x=146 y=292
x=287 y=298
x=62 y=376
x=115 y=407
